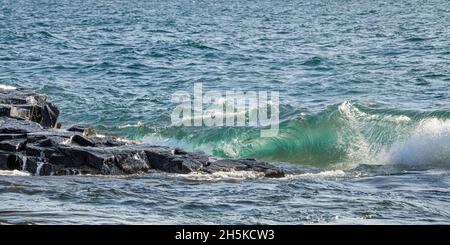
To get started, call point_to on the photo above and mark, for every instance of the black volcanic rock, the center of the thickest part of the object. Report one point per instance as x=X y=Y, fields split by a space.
x=29 y=141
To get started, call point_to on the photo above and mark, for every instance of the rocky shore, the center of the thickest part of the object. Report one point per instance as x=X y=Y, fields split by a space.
x=32 y=140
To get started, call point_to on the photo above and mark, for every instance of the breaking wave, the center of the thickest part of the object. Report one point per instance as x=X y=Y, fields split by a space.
x=340 y=137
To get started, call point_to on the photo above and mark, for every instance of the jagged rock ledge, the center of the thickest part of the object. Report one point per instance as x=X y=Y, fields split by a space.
x=31 y=139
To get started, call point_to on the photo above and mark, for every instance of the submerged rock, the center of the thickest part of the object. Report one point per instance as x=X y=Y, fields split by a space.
x=31 y=140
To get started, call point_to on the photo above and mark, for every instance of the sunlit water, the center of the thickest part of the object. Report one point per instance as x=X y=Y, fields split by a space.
x=365 y=108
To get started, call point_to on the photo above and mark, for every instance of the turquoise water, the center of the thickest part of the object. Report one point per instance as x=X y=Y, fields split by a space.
x=364 y=100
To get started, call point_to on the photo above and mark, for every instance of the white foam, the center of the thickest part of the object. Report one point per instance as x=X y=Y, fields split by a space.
x=429 y=145
x=242 y=175
x=136 y=125
x=13 y=173
x=217 y=176
x=321 y=175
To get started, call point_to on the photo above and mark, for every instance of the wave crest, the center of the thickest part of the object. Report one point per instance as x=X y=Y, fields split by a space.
x=340 y=137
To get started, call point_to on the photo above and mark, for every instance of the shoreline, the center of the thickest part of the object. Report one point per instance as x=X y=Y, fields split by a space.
x=32 y=140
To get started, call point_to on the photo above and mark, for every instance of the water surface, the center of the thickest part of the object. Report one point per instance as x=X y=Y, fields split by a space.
x=365 y=109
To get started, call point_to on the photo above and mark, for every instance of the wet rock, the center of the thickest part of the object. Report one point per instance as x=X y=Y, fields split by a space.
x=107 y=142
x=28 y=105
x=44 y=169
x=49 y=116
x=11 y=136
x=81 y=141
x=21 y=111
x=38 y=151
x=164 y=159
x=85 y=129
x=245 y=165
x=18 y=126
x=73 y=156
x=4 y=160
x=31 y=164
x=13 y=145
x=131 y=161
x=10 y=161
x=178 y=151
x=5 y=110
x=274 y=173
x=79 y=128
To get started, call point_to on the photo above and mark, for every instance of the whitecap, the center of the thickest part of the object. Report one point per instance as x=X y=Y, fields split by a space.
x=320 y=175
x=14 y=173
x=429 y=145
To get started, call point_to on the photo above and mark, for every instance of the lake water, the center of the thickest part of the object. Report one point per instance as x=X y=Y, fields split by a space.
x=364 y=107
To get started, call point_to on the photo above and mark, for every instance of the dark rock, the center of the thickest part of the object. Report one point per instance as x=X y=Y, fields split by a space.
x=131 y=161
x=245 y=165
x=22 y=111
x=81 y=141
x=15 y=97
x=58 y=159
x=79 y=128
x=73 y=156
x=17 y=126
x=10 y=161
x=162 y=159
x=13 y=145
x=44 y=169
x=107 y=141
x=69 y=171
x=30 y=106
x=165 y=159
x=5 y=110
x=46 y=143
x=53 y=137
x=274 y=173
x=31 y=164
x=85 y=129
x=38 y=151
x=49 y=116
x=225 y=165
x=178 y=151
x=4 y=160
x=11 y=136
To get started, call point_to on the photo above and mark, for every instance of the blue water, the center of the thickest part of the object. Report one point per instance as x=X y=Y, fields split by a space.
x=364 y=99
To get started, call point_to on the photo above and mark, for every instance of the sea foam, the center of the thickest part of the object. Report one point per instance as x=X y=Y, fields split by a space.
x=429 y=145
x=13 y=173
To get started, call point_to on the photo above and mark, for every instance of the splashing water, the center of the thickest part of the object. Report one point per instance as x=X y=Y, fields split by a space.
x=342 y=136
x=429 y=145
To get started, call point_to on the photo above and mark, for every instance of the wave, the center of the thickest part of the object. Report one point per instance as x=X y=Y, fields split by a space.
x=342 y=136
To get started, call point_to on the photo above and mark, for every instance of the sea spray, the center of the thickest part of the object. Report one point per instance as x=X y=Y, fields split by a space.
x=429 y=145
